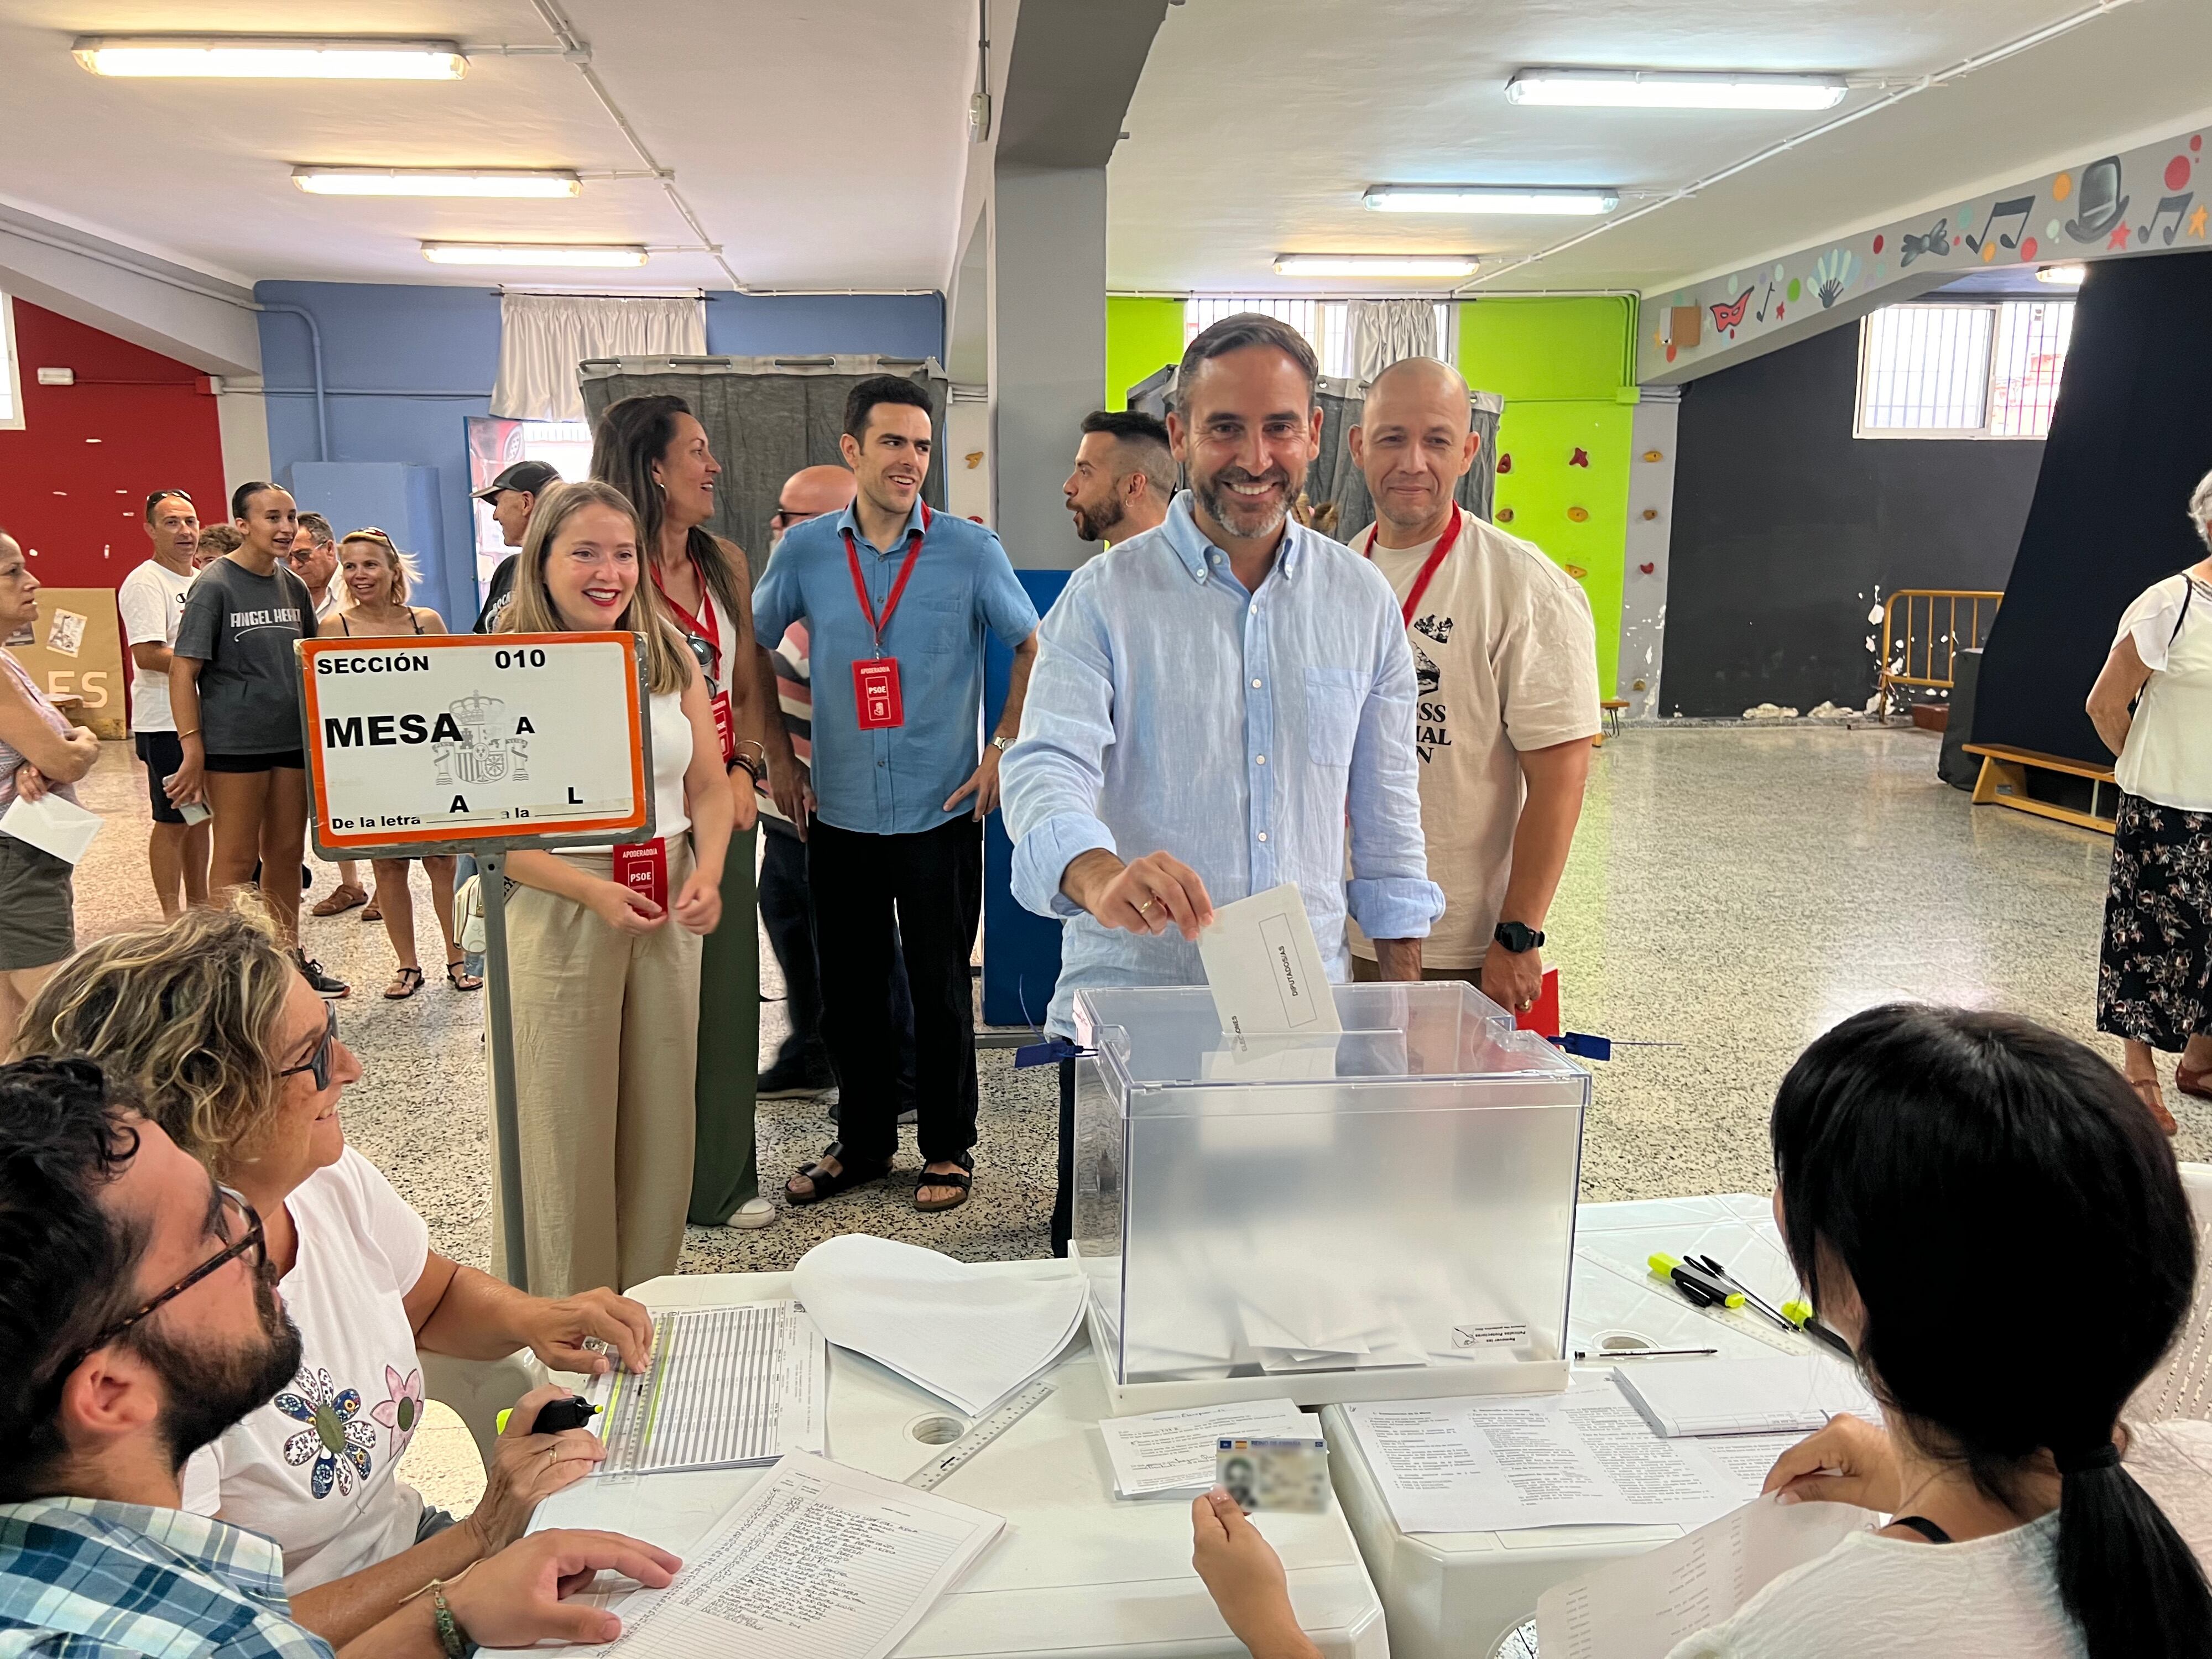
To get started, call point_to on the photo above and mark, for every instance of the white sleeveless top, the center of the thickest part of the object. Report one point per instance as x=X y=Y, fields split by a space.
x=672 y=758
x=2167 y=757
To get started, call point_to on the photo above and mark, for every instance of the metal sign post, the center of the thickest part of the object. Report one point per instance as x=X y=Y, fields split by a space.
x=484 y=745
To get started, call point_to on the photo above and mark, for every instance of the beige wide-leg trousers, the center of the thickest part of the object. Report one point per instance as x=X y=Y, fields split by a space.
x=606 y=1041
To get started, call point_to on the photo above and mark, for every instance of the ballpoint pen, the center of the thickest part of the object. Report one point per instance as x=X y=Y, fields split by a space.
x=1727 y=1279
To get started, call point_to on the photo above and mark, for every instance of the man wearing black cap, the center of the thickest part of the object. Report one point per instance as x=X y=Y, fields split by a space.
x=511 y=496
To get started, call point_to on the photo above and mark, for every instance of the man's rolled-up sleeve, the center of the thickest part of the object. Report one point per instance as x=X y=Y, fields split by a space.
x=1389 y=894
x=1051 y=776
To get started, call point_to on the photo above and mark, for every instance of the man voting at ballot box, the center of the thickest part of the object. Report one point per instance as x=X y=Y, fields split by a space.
x=1216 y=703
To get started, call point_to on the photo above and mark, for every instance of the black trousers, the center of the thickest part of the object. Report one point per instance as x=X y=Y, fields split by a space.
x=1063 y=1197
x=787 y=914
x=875 y=898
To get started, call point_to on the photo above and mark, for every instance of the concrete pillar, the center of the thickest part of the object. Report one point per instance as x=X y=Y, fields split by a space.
x=1048 y=350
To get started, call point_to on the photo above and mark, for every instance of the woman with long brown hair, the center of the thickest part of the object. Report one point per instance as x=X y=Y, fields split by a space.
x=605 y=991
x=655 y=452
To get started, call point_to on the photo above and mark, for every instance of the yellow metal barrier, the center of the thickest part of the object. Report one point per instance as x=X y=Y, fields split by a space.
x=1932 y=627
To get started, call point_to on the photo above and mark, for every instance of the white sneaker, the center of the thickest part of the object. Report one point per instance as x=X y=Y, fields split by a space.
x=753 y=1214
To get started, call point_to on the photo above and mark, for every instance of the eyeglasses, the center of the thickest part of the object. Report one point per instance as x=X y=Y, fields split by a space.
x=319 y=1063
x=250 y=1237
x=783 y=518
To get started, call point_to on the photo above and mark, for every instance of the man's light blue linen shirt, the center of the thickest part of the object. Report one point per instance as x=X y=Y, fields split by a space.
x=895 y=782
x=1172 y=711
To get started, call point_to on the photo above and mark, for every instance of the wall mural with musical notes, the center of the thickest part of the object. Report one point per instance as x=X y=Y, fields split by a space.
x=2144 y=201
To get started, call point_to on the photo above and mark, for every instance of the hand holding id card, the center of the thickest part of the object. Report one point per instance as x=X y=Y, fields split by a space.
x=1274 y=1474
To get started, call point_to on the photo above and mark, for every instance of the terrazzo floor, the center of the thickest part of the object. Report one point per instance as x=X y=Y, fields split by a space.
x=1732 y=893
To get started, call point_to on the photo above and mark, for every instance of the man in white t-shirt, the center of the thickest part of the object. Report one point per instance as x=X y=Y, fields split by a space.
x=152 y=601
x=1506 y=660
x=314 y=561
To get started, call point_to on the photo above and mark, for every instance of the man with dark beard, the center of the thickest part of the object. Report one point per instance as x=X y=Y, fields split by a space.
x=140 y=1321
x=1124 y=475
x=1212 y=701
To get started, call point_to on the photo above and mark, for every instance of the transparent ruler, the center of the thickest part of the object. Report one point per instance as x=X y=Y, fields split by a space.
x=980 y=1433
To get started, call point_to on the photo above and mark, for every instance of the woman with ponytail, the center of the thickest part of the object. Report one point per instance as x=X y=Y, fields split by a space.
x=1936 y=1165
x=1986 y=1213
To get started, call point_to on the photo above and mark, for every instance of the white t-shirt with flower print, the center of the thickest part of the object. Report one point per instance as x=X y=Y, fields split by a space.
x=316 y=1469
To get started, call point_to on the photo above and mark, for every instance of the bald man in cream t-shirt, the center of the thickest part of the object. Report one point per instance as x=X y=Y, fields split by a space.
x=1505 y=662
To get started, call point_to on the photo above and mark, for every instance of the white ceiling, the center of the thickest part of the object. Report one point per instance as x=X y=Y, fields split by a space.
x=1258 y=125
x=821 y=142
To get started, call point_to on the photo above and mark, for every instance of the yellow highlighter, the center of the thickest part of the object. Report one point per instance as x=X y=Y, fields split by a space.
x=1700 y=1287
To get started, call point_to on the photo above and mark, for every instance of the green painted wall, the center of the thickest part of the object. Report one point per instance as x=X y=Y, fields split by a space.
x=1566 y=368
x=1140 y=335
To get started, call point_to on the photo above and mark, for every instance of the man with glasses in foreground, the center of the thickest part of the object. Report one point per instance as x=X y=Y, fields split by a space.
x=140 y=1321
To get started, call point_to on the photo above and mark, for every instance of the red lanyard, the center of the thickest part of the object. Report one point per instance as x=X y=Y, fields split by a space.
x=913 y=552
x=1428 y=566
x=711 y=628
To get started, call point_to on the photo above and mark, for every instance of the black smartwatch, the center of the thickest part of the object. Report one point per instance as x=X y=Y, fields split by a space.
x=1518 y=936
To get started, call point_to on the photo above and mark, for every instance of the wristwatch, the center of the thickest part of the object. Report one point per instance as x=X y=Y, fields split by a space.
x=1001 y=743
x=1518 y=936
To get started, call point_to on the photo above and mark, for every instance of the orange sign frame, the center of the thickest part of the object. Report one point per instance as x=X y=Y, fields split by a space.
x=353 y=843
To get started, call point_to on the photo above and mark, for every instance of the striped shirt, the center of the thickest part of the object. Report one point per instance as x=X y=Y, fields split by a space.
x=86 y=1578
x=795 y=695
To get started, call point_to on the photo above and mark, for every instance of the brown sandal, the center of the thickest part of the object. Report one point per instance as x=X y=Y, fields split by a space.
x=963 y=1178
x=340 y=899
x=405 y=984
x=2191 y=1080
x=2147 y=1091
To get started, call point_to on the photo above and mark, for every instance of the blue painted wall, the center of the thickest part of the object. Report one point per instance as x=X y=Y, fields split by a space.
x=403 y=367
x=405 y=364
x=892 y=324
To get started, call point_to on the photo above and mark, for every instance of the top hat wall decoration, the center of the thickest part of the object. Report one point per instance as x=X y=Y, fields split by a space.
x=2101 y=204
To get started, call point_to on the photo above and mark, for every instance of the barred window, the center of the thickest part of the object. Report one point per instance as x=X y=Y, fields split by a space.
x=1984 y=370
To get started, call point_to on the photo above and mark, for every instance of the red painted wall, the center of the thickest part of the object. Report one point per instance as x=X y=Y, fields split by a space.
x=81 y=504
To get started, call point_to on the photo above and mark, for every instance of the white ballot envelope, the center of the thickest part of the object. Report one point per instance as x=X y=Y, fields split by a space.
x=1265 y=968
x=52 y=825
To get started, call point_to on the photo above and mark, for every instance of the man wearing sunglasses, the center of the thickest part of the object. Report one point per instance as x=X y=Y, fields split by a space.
x=141 y=1322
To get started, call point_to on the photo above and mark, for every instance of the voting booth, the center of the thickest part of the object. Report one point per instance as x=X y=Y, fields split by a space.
x=1382 y=1212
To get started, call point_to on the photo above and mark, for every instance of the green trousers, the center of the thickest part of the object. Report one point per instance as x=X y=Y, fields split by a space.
x=723 y=1172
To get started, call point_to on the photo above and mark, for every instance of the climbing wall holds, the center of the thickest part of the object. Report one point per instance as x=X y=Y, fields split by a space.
x=1580 y=457
x=1504 y=463
x=1654 y=455
x=1579 y=514
x=1504 y=515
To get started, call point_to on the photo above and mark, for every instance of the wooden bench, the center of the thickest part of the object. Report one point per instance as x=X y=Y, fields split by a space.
x=2004 y=782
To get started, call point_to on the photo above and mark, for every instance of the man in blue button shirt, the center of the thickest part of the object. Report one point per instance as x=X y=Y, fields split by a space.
x=1215 y=702
x=896 y=598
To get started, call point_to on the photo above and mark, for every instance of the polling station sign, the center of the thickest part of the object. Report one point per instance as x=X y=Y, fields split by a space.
x=451 y=739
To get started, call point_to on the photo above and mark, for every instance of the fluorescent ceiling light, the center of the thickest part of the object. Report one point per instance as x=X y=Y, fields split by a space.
x=1374 y=264
x=270 y=57
x=435 y=181
x=2062 y=275
x=1491 y=198
x=1630 y=88
x=531 y=253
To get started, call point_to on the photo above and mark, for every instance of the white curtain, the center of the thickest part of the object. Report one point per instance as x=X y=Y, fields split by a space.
x=543 y=337
x=1383 y=330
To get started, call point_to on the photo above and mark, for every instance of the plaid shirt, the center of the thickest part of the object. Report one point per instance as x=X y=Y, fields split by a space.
x=83 y=1578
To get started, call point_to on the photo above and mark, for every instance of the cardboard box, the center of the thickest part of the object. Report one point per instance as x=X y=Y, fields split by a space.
x=74 y=653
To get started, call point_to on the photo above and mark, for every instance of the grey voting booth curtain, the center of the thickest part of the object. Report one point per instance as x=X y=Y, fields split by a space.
x=1333 y=478
x=765 y=417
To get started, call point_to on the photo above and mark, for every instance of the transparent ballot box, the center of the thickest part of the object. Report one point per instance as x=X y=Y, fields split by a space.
x=1386 y=1212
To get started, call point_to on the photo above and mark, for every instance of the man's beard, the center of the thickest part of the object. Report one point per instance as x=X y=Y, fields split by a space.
x=1246 y=520
x=210 y=1391
x=1090 y=522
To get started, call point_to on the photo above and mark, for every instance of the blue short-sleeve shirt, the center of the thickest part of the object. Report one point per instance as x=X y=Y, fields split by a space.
x=895 y=782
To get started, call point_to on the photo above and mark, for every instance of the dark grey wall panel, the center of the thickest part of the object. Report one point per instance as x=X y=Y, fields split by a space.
x=1788 y=529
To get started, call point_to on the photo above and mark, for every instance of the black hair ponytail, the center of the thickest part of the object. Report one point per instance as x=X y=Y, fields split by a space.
x=1933 y=1153
x=2130 y=1581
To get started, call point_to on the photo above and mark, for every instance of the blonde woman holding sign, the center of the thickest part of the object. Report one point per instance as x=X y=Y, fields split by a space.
x=603 y=947
x=374 y=578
